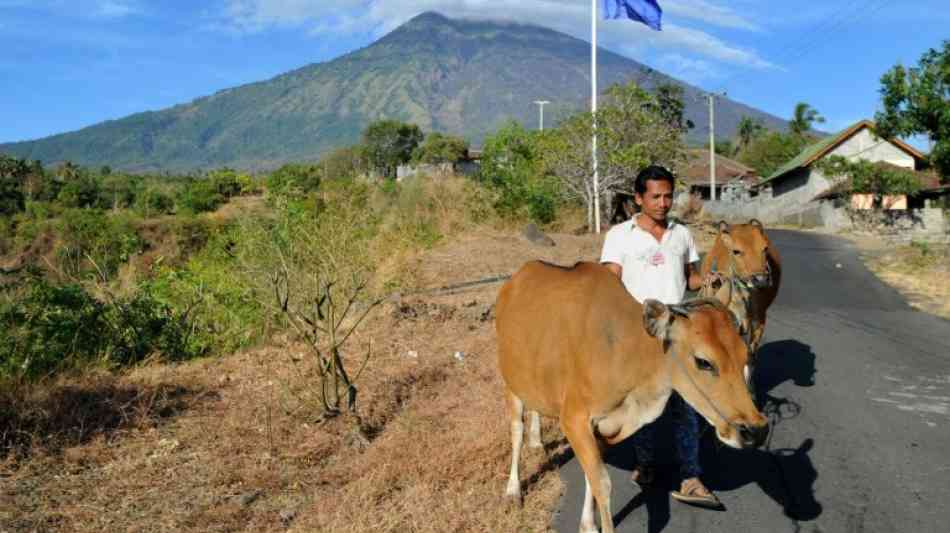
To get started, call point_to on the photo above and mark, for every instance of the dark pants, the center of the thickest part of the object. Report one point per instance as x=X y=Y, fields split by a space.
x=685 y=435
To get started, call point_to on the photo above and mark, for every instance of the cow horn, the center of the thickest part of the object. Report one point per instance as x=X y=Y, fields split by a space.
x=657 y=319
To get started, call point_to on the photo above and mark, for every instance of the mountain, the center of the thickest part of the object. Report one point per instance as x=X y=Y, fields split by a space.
x=458 y=76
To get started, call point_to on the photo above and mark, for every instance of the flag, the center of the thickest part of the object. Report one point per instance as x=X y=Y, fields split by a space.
x=645 y=11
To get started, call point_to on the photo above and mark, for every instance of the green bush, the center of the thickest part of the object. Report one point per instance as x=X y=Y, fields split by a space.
x=52 y=328
x=224 y=316
x=93 y=242
x=49 y=328
x=81 y=191
x=512 y=166
x=199 y=196
x=225 y=182
x=302 y=177
x=154 y=202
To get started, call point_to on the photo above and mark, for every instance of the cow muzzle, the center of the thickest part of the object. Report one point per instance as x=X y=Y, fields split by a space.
x=752 y=436
x=761 y=281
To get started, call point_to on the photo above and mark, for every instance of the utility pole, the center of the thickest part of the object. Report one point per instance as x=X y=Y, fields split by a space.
x=712 y=147
x=541 y=104
x=593 y=111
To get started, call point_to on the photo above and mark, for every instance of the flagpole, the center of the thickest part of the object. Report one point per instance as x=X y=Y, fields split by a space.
x=593 y=110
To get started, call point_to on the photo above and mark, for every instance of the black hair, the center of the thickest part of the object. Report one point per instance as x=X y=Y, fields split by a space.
x=653 y=172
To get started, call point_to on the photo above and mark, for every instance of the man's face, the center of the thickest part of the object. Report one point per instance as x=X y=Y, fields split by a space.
x=657 y=201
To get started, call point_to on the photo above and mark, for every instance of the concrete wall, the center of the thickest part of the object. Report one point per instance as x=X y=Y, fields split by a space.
x=864 y=145
x=409 y=171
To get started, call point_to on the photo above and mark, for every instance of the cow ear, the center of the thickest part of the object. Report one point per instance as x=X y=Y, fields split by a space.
x=657 y=319
x=724 y=233
x=755 y=223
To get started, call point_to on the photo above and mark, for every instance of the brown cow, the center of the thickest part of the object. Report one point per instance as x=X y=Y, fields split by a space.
x=745 y=258
x=574 y=344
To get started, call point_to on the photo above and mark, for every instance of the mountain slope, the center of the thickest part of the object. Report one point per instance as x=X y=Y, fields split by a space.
x=459 y=76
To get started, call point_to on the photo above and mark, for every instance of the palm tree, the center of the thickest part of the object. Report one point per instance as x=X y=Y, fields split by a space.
x=804 y=116
x=748 y=129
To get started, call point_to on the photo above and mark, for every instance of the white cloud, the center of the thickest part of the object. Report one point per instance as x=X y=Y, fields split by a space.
x=377 y=17
x=116 y=8
x=710 y=13
x=695 y=71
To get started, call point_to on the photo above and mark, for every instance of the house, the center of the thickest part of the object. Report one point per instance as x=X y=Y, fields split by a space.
x=931 y=193
x=734 y=181
x=468 y=165
x=799 y=181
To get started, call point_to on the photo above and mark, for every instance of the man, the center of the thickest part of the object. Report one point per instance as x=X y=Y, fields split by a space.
x=656 y=257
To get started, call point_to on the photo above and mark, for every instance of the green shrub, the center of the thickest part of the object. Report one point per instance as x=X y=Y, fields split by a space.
x=302 y=177
x=199 y=196
x=49 y=328
x=224 y=316
x=95 y=242
x=52 y=328
x=152 y=202
x=82 y=191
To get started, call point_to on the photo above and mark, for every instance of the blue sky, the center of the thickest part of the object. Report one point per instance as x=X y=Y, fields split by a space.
x=66 y=64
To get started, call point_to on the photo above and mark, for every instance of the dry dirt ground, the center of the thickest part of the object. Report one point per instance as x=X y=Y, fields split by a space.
x=233 y=444
x=920 y=271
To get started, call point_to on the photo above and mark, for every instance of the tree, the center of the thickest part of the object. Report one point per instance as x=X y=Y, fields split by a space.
x=803 y=118
x=669 y=99
x=439 y=148
x=633 y=131
x=512 y=166
x=917 y=101
x=299 y=176
x=13 y=172
x=389 y=143
x=725 y=148
x=767 y=152
x=748 y=130
x=879 y=179
x=343 y=163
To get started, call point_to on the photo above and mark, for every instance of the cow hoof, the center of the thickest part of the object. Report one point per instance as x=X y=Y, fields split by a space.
x=589 y=530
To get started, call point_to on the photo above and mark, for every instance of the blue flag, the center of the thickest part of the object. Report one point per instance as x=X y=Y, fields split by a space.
x=645 y=11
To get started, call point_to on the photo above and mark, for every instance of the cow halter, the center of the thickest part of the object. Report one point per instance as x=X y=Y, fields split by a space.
x=733 y=274
x=705 y=396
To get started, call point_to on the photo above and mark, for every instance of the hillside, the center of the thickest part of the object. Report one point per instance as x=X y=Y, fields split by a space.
x=459 y=76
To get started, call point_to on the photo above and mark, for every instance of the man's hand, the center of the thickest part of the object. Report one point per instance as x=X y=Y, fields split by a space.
x=693 y=280
x=615 y=268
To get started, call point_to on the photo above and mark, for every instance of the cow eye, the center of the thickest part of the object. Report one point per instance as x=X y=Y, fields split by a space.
x=737 y=252
x=704 y=365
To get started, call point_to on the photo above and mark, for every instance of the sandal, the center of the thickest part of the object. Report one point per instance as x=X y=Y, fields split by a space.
x=692 y=493
x=643 y=476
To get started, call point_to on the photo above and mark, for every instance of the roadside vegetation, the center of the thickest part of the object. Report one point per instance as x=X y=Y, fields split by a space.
x=269 y=338
x=272 y=339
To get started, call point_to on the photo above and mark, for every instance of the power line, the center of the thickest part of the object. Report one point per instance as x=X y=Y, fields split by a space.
x=820 y=35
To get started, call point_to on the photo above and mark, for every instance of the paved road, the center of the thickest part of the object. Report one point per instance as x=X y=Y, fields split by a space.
x=860 y=383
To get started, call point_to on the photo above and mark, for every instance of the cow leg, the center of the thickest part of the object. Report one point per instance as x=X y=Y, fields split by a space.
x=534 y=431
x=579 y=432
x=515 y=414
x=587 y=514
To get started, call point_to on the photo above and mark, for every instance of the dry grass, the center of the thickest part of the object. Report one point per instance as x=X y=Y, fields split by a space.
x=232 y=444
x=919 y=271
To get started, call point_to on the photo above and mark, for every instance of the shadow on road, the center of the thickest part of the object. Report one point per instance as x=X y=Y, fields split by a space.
x=787 y=475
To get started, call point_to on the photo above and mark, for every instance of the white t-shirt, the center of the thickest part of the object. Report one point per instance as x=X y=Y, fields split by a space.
x=651 y=269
